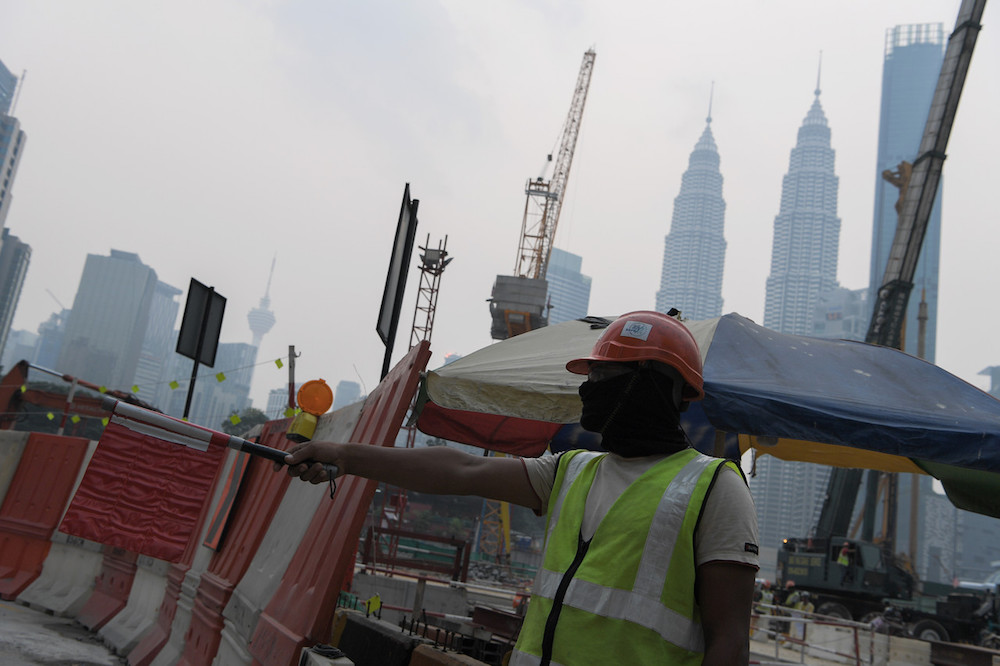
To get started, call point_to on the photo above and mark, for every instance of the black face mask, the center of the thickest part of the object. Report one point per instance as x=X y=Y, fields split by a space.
x=634 y=413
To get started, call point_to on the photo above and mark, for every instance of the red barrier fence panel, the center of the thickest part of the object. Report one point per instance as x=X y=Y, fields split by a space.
x=152 y=643
x=301 y=611
x=256 y=502
x=35 y=500
x=111 y=589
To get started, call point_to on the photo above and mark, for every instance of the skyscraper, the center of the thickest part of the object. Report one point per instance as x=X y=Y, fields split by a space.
x=8 y=84
x=569 y=289
x=806 y=230
x=107 y=324
x=346 y=393
x=213 y=401
x=14 y=255
x=12 y=140
x=14 y=259
x=787 y=496
x=277 y=402
x=158 y=345
x=842 y=314
x=912 y=62
x=694 y=250
x=50 y=338
x=803 y=268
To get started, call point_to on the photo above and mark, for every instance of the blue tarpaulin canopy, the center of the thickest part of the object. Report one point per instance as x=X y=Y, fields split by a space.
x=833 y=402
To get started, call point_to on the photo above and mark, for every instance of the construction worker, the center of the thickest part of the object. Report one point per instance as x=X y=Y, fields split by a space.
x=792 y=595
x=651 y=548
x=802 y=608
x=766 y=594
x=766 y=604
x=788 y=602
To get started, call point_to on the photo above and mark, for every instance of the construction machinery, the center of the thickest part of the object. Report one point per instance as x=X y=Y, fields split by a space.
x=519 y=301
x=877 y=573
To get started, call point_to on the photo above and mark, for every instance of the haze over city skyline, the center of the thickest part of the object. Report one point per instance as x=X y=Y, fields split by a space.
x=210 y=137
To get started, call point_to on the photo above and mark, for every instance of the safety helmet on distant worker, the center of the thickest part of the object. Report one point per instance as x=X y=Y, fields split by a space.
x=645 y=335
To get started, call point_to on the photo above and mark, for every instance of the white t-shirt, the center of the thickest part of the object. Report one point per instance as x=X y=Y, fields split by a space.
x=728 y=527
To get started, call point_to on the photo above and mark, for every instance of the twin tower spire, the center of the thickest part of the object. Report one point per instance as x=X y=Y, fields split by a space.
x=806 y=232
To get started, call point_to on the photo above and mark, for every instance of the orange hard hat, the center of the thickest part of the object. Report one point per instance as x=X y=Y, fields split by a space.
x=649 y=336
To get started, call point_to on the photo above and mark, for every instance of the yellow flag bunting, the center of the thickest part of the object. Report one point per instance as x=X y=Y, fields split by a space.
x=174 y=384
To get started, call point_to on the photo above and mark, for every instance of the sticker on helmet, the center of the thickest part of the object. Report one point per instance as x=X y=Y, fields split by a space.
x=636 y=329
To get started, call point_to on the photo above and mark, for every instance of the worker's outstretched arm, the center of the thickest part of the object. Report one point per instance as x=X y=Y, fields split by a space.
x=437 y=469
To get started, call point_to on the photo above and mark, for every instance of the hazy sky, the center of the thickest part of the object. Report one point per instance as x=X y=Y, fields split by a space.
x=209 y=136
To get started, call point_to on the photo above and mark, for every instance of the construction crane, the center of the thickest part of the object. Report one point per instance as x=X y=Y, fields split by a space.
x=519 y=301
x=918 y=184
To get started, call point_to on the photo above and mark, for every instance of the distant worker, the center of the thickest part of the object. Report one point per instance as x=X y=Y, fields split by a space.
x=844 y=560
x=901 y=179
x=788 y=601
x=803 y=607
x=766 y=594
x=791 y=595
x=651 y=549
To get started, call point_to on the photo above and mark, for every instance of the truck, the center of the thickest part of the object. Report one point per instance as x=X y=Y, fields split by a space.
x=852 y=580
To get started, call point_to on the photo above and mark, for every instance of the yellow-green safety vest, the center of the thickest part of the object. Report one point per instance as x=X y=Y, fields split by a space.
x=620 y=598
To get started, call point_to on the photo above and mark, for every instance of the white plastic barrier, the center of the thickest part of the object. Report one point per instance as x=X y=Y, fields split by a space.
x=67 y=577
x=263 y=576
x=123 y=631
x=279 y=544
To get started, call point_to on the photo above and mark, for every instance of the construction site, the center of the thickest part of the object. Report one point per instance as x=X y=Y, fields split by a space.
x=206 y=555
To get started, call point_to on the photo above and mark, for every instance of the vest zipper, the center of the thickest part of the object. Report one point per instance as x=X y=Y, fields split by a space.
x=548 y=637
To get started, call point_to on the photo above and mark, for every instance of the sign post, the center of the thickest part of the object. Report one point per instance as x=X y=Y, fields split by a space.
x=199 y=335
x=395 y=279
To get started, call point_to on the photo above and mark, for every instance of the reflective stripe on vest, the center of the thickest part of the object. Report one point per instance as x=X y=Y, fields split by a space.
x=642 y=604
x=573 y=468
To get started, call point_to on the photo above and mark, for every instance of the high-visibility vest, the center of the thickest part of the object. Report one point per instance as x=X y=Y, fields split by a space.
x=626 y=596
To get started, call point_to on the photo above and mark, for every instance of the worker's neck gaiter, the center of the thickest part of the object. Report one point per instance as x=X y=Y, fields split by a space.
x=633 y=413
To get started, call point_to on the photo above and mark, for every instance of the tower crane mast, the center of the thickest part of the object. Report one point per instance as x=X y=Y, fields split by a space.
x=544 y=199
x=518 y=303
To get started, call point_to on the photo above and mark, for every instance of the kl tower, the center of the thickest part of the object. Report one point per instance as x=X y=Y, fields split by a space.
x=261 y=319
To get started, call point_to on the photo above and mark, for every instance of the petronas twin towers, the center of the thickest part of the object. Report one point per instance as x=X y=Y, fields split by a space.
x=806 y=234
x=695 y=249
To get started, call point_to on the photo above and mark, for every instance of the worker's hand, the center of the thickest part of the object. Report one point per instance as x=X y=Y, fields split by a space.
x=310 y=461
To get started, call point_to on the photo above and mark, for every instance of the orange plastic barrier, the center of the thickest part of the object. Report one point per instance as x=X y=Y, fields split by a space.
x=34 y=502
x=301 y=611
